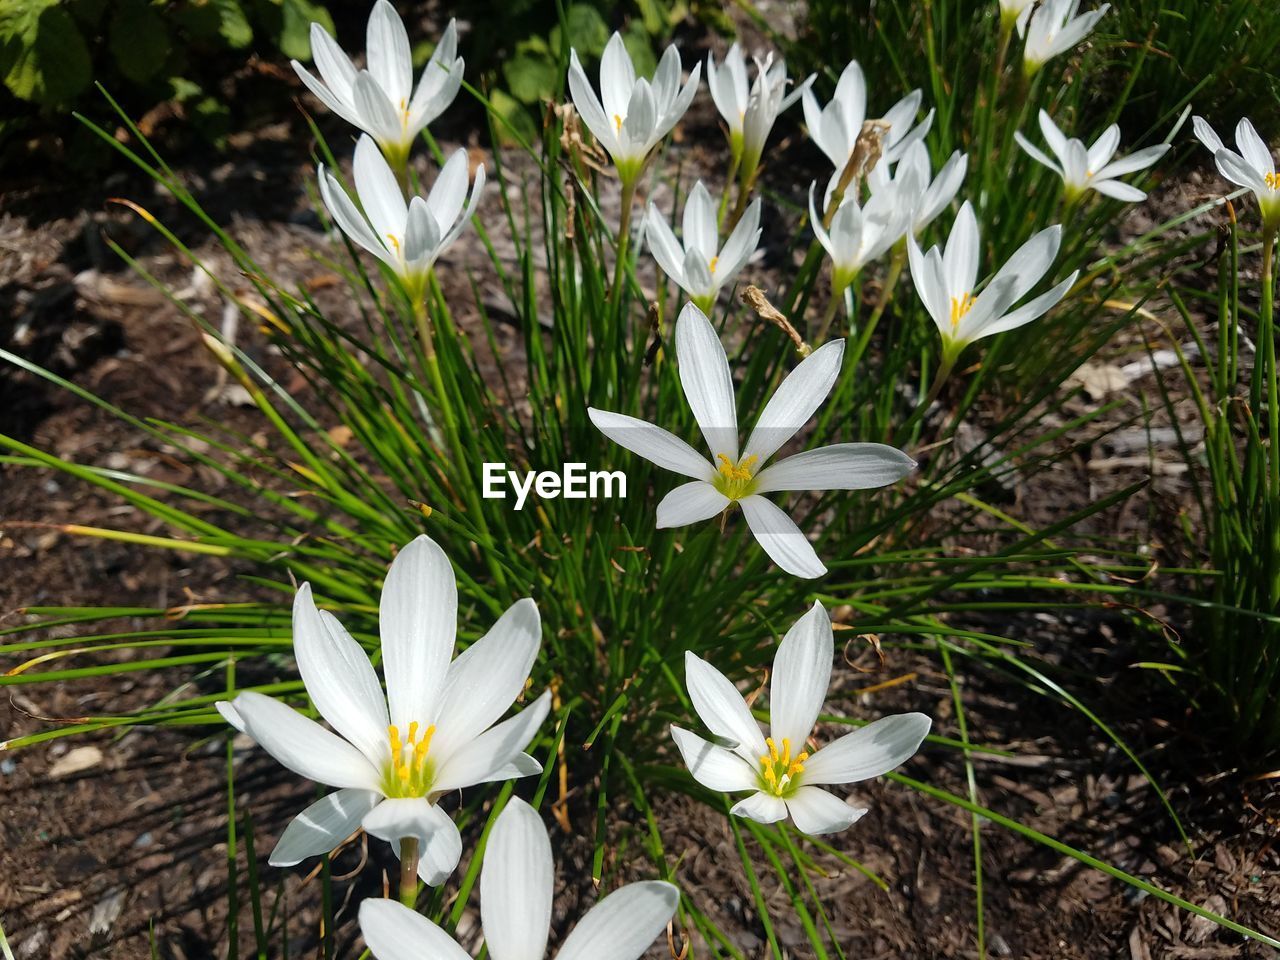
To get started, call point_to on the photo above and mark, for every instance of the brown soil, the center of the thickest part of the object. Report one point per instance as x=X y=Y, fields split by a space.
x=133 y=844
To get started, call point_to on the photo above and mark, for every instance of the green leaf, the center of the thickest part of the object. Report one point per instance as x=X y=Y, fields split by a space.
x=220 y=19
x=510 y=109
x=531 y=76
x=588 y=33
x=139 y=40
x=640 y=47
x=295 y=27
x=43 y=57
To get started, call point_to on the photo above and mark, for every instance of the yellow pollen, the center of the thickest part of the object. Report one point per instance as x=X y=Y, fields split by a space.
x=395 y=242
x=734 y=480
x=959 y=307
x=714 y=261
x=409 y=773
x=617 y=121
x=1272 y=180
x=404 y=110
x=778 y=770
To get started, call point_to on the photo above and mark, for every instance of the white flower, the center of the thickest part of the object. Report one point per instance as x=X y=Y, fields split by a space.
x=1250 y=166
x=517 y=882
x=1052 y=29
x=947 y=284
x=750 y=112
x=1091 y=168
x=381 y=99
x=1010 y=10
x=701 y=267
x=925 y=194
x=734 y=478
x=406 y=237
x=631 y=114
x=860 y=235
x=782 y=775
x=835 y=128
x=433 y=733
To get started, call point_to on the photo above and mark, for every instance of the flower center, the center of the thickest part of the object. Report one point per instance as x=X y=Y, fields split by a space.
x=1272 y=180
x=778 y=771
x=959 y=307
x=735 y=480
x=410 y=772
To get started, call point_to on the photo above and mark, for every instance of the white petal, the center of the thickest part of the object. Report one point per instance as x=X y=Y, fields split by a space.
x=1031 y=309
x=421 y=236
x=795 y=400
x=960 y=260
x=697 y=274
x=439 y=844
x=342 y=108
x=1104 y=148
x=653 y=443
x=351 y=220
x=1030 y=262
x=477 y=187
x=1053 y=136
x=377 y=115
x=869 y=751
x=394 y=932
x=801 y=675
x=494 y=749
x=666 y=248
x=639 y=128
x=689 y=503
x=335 y=66
x=700 y=231
x=442 y=852
x=449 y=192
x=840 y=466
x=1035 y=152
x=1138 y=160
x=781 y=539
x=418 y=620
x=816 y=812
x=379 y=192
x=617 y=77
x=1236 y=169
x=322 y=826
x=1118 y=190
x=761 y=807
x=516 y=884
x=387 y=52
x=339 y=678
x=485 y=679
x=704 y=374
x=588 y=106
x=741 y=243
x=928 y=284
x=721 y=707
x=1206 y=134
x=302 y=745
x=714 y=767
x=624 y=924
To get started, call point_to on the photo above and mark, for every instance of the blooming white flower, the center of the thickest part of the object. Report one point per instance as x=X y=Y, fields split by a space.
x=1250 y=166
x=925 y=194
x=381 y=99
x=947 y=284
x=783 y=776
x=859 y=235
x=1010 y=10
x=517 y=881
x=1091 y=168
x=433 y=733
x=1054 y=28
x=734 y=478
x=835 y=128
x=631 y=114
x=406 y=237
x=701 y=266
x=750 y=111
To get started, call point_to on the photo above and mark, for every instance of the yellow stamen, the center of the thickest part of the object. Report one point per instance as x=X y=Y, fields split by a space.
x=404 y=110
x=617 y=121
x=778 y=770
x=395 y=242
x=409 y=774
x=1272 y=180
x=714 y=261
x=959 y=307
x=734 y=480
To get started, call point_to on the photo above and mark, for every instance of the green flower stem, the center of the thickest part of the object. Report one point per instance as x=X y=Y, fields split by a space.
x=945 y=367
x=886 y=296
x=735 y=164
x=409 y=871
x=1267 y=338
x=824 y=325
x=624 y=243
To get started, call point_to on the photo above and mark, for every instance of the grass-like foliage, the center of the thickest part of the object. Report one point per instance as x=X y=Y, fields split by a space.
x=922 y=564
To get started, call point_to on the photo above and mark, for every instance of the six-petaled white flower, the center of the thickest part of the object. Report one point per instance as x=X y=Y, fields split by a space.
x=750 y=111
x=434 y=732
x=784 y=778
x=381 y=99
x=701 y=266
x=631 y=114
x=858 y=234
x=1053 y=28
x=741 y=476
x=1091 y=168
x=925 y=194
x=517 y=881
x=1250 y=165
x=835 y=128
x=947 y=284
x=406 y=237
